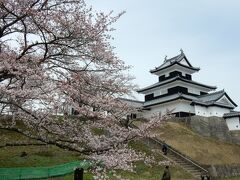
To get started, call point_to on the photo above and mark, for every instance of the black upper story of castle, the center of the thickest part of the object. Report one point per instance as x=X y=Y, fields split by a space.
x=174 y=90
x=174 y=75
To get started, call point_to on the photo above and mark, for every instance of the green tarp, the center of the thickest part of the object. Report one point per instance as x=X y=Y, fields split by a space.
x=42 y=172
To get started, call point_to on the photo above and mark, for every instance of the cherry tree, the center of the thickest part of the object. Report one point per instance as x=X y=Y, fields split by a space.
x=55 y=53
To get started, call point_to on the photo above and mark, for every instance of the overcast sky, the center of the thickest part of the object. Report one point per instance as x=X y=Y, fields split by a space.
x=207 y=30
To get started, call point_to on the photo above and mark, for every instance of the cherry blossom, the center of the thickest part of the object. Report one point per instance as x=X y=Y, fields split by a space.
x=57 y=53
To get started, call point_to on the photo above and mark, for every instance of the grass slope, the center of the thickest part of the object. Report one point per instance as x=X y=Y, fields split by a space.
x=51 y=155
x=36 y=155
x=143 y=171
x=204 y=150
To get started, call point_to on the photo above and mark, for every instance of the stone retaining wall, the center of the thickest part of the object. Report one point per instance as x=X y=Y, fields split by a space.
x=211 y=127
x=215 y=127
x=221 y=171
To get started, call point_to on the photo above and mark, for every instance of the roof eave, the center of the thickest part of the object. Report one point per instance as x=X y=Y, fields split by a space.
x=156 y=70
x=174 y=99
x=231 y=114
x=212 y=104
x=178 y=78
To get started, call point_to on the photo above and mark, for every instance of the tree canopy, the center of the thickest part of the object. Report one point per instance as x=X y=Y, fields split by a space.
x=56 y=53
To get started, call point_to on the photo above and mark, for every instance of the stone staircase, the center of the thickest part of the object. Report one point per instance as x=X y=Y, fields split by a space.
x=195 y=171
x=182 y=160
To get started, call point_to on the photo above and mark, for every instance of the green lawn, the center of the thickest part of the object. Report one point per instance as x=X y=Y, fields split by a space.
x=144 y=172
x=46 y=155
x=51 y=155
x=36 y=156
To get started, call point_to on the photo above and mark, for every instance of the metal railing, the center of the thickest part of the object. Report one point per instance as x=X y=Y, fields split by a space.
x=179 y=154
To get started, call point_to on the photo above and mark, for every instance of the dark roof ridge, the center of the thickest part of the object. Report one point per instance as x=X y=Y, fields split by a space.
x=232 y=114
x=173 y=79
x=175 y=57
x=171 y=64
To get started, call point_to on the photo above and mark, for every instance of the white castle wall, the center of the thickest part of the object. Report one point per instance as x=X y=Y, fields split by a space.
x=175 y=106
x=201 y=111
x=210 y=111
x=217 y=111
x=233 y=123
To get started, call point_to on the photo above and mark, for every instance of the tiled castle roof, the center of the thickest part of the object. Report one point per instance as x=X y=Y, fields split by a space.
x=212 y=96
x=212 y=99
x=204 y=100
x=175 y=79
x=175 y=60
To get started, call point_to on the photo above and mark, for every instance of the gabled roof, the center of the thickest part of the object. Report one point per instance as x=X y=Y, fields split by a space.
x=212 y=96
x=213 y=99
x=175 y=60
x=175 y=79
